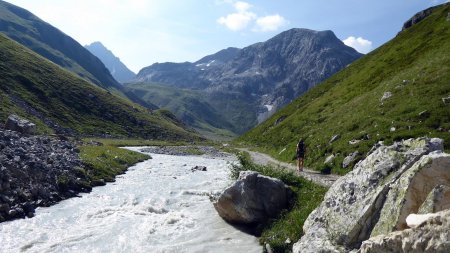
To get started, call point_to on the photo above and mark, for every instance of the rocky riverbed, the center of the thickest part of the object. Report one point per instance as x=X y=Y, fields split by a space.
x=37 y=171
x=185 y=151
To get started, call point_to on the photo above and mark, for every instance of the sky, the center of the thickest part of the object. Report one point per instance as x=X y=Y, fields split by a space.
x=143 y=32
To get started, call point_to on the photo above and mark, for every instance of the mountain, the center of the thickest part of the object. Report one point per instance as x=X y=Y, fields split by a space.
x=49 y=42
x=61 y=102
x=400 y=90
x=247 y=85
x=118 y=70
x=190 y=106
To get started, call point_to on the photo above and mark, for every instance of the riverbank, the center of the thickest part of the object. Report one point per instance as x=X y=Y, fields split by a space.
x=43 y=170
x=159 y=205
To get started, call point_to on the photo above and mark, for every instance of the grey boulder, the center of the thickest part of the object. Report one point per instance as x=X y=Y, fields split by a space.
x=18 y=124
x=368 y=201
x=431 y=236
x=253 y=198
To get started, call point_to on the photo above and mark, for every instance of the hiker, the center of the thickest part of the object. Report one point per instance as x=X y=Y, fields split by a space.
x=301 y=150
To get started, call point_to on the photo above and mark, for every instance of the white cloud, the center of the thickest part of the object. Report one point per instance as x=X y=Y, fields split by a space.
x=237 y=21
x=240 y=19
x=243 y=17
x=360 y=44
x=242 y=6
x=270 y=23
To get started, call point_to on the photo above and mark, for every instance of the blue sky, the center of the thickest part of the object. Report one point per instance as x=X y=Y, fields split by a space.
x=142 y=32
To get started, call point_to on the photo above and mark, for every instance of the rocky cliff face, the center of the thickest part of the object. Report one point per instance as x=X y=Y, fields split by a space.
x=377 y=196
x=118 y=70
x=265 y=75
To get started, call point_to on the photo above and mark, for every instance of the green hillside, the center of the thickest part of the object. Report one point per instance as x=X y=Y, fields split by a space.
x=196 y=109
x=414 y=67
x=59 y=101
x=51 y=43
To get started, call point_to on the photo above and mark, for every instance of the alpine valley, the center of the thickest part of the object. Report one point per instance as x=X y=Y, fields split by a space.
x=231 y=91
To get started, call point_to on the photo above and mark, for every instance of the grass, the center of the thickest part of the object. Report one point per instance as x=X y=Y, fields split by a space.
x=53 y=96
x=414 y=67
x=289 y=224
x=105 y=162
x=217 y=118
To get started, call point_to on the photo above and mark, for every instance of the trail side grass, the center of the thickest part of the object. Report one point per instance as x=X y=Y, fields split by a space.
x=395 y=92
x=102 y=163
x=281 y=233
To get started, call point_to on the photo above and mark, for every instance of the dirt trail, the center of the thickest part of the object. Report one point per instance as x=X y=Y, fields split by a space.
x=264 y=159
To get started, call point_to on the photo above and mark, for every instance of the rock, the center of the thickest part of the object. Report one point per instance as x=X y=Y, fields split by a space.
x=349 y=159
x=18 y=124
x=410 y=190
x=268 y=248
x=433 y=236
x=417 y=18
x=253 y=198
x=354 y=142
x=424 y=114
x=386 y=95
x=335 y=138
x=329 y=159
x=437 y=200
x=415 y=220
x=198 y=168
x=446 y=101
x=352 y=206
x=32 y=168
x=279 y=120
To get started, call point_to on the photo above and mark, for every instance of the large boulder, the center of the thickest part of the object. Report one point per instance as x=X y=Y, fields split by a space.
x=431 y=236
x=18 y=124
x=253 y=198
x=380 y=192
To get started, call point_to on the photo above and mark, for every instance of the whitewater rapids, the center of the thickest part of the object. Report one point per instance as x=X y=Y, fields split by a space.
x=159 y=205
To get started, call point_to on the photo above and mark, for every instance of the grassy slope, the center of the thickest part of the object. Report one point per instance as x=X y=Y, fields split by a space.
x=106 y=161
x=349 y=102
x=188 y=105
x=72 y=102
x=30 y=31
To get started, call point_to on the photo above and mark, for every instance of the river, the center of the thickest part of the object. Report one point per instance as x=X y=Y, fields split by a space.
x=159 y=205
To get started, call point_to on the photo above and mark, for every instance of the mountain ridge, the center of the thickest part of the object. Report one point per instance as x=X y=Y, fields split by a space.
x=116 y=67
x=260 y=78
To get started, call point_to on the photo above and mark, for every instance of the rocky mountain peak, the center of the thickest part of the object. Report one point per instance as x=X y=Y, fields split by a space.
x=118 y=70
x=263 y=77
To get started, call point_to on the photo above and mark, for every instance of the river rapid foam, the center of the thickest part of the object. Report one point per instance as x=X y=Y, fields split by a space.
x=159 y=205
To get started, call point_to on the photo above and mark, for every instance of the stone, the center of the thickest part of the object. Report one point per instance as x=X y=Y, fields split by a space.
x=279 y=120
x=329 y=159
x=432 y=236
x=198 y=168
x=18 y=124
x=352 y=206
x=418 y=17
x=437 y=200
x=424 y=114
x=386 y=95
x=446 y=101
x=350 y=159
x=252 y=199
x=335 y=138
x=410 y=190
x=354 y=142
